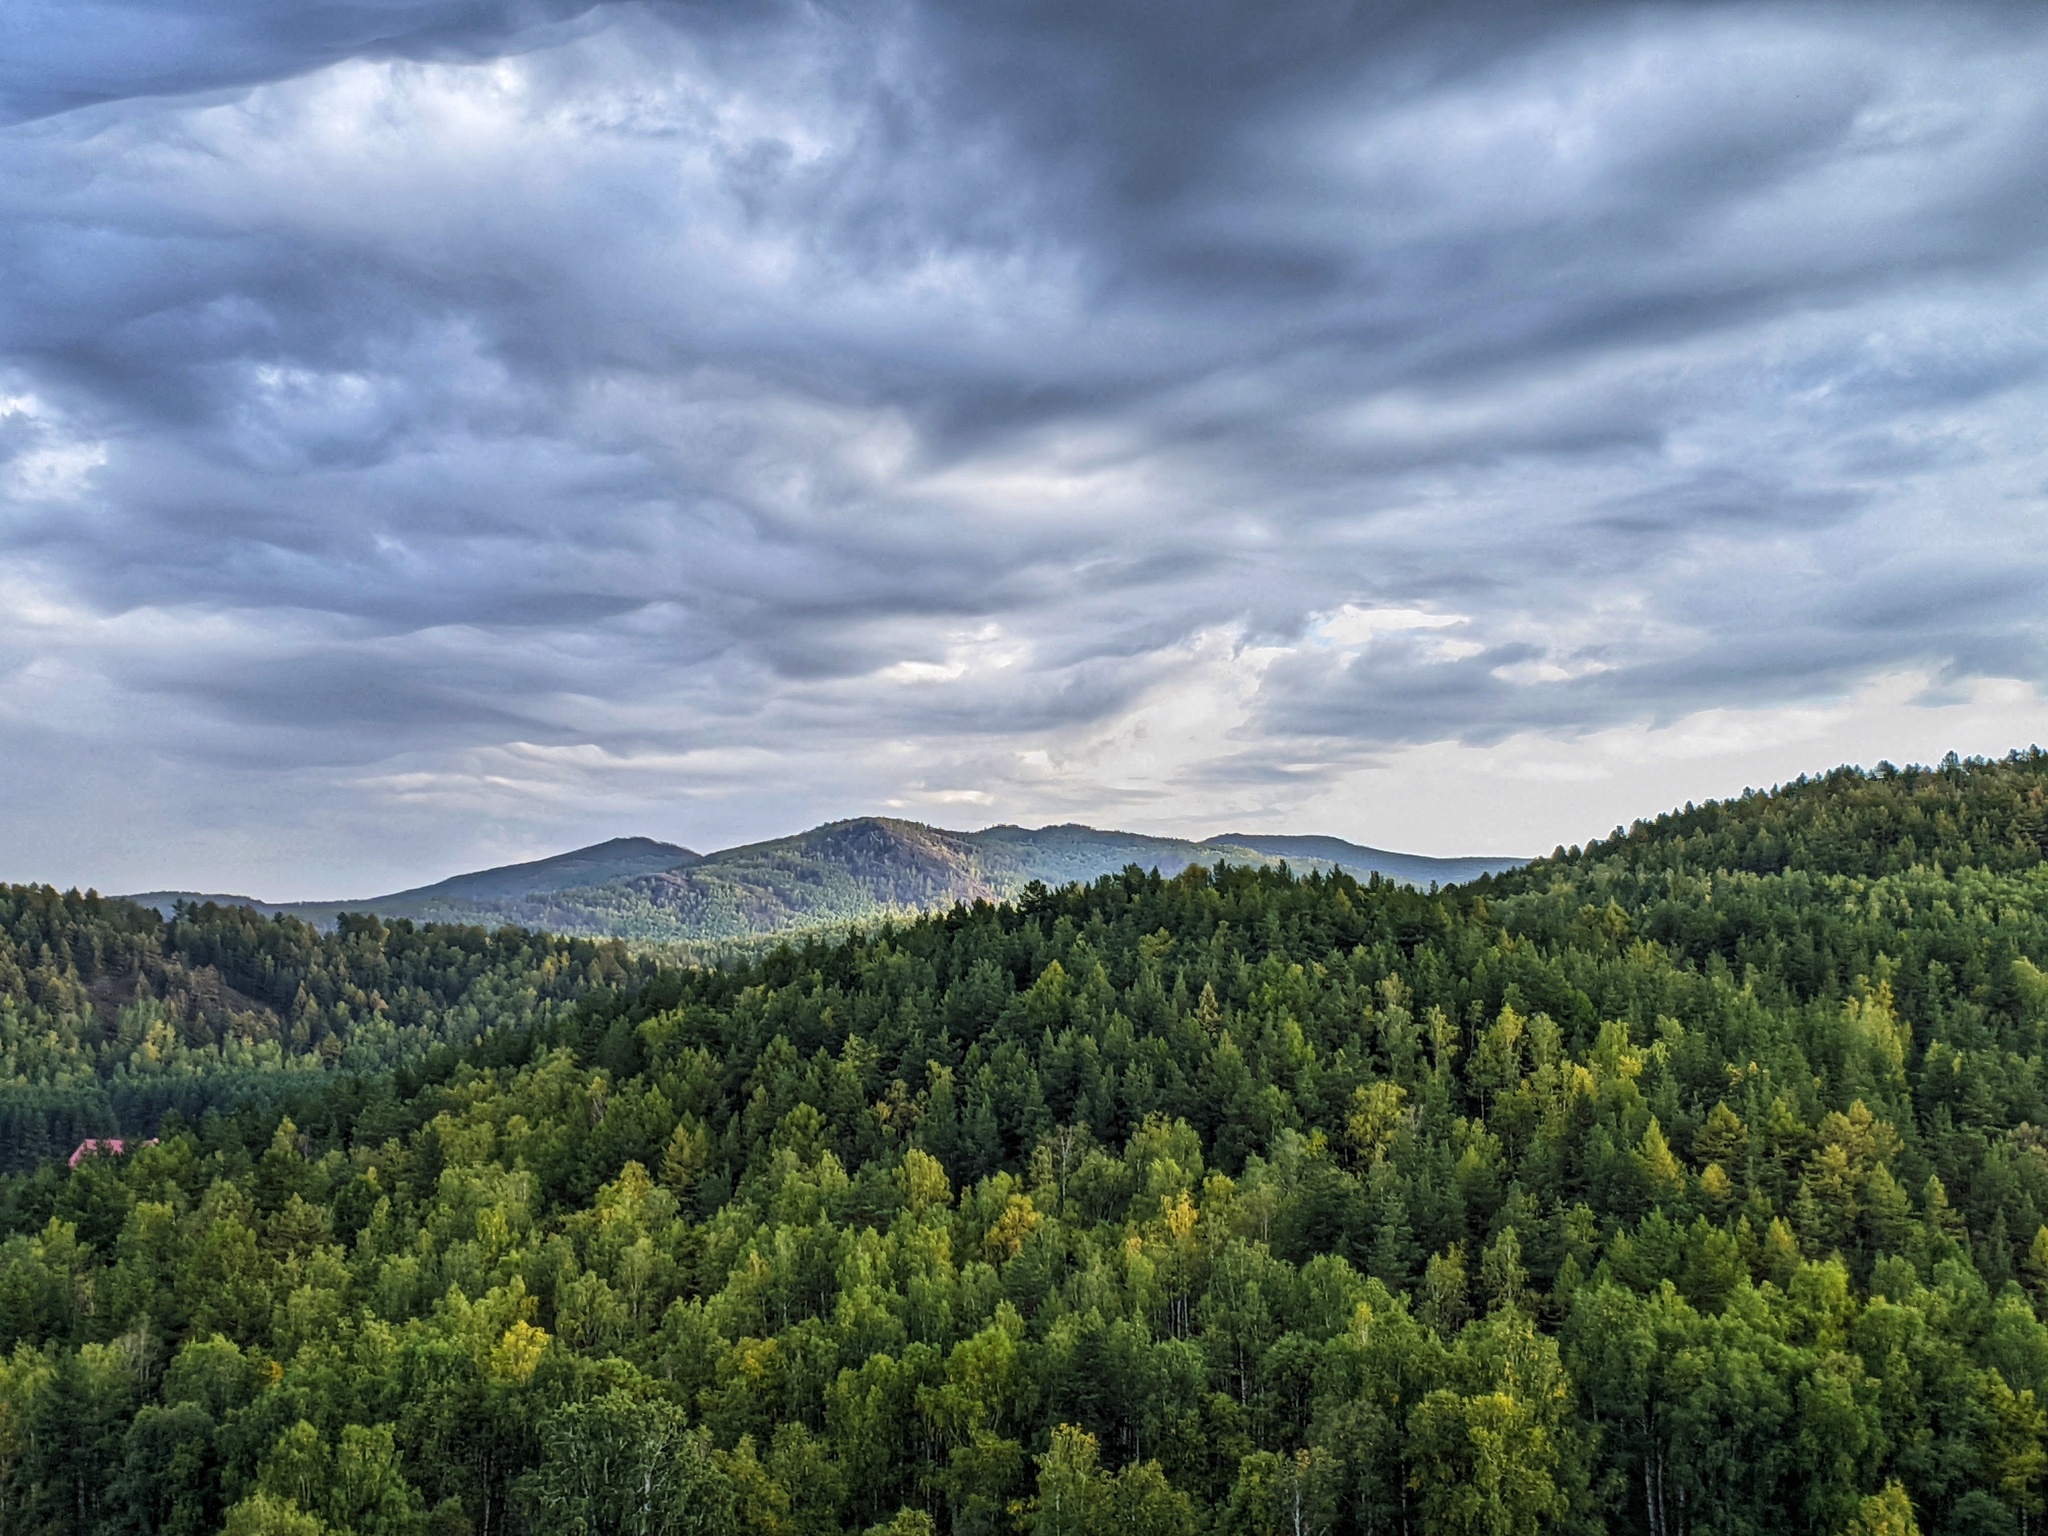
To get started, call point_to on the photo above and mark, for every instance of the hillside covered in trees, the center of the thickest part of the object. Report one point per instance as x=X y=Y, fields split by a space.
x=110 y=1014
x=1691 y=1182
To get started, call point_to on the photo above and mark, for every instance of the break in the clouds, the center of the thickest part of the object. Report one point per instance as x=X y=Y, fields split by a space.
x=432 y=431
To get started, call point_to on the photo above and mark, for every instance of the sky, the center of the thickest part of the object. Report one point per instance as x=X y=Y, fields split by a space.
x=440 y=432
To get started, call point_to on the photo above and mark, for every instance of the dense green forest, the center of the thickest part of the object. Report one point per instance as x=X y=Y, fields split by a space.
x=1689 y=1183
x=110 y=1014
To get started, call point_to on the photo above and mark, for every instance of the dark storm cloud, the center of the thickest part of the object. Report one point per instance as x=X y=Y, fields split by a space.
x=473 y=401
x=61 y=54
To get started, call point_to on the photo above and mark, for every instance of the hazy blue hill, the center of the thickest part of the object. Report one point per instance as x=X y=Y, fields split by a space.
x=619 y=859
x=1067 y=852
x=852 y=871
x=1356 y=859
x=843 y=872
x=471 y=897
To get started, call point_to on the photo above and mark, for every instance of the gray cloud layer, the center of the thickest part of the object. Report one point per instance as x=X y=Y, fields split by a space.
x=432 y=427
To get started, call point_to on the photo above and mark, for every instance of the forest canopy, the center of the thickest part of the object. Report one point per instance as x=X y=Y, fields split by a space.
x=1694 y=1181
x=110 y=1014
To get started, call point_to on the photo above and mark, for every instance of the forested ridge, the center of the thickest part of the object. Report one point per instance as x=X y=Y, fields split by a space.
x=837 y=875
x=710 y=907
x=1690 y=1182
x=110 y=1014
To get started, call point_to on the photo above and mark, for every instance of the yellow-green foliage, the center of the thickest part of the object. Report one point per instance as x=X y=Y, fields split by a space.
x=1692 y=1182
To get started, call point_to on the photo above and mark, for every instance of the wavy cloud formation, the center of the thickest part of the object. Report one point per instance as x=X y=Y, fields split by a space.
x=435 y=431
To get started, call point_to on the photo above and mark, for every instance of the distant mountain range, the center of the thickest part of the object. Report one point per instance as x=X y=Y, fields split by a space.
x=842 y=872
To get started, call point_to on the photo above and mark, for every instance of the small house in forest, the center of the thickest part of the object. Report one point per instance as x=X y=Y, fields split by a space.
x=103 y=1146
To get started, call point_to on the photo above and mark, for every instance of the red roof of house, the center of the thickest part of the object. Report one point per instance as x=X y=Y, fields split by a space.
x=104 y=1146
